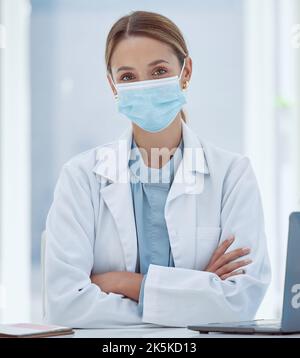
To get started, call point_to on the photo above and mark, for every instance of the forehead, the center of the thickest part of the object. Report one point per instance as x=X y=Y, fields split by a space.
x=135 y=50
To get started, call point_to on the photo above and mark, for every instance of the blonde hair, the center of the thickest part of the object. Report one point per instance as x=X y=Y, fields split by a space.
x=150 y=24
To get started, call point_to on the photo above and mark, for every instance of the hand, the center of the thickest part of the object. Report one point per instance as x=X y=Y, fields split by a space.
x=124 y=283
x=221 y=263
x=108 y=281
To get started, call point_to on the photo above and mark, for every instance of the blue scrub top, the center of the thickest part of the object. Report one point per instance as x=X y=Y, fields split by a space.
x=150 y=188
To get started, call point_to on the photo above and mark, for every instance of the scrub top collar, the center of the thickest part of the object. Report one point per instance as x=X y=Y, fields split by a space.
x=106 y=163
x=164 y=175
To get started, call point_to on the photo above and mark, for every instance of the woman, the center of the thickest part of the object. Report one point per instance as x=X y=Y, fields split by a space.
x=125 y=250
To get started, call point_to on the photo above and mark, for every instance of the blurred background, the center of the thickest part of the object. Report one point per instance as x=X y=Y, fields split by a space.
x=55 y=102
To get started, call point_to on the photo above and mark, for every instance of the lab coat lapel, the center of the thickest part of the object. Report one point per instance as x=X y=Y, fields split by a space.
x=181 y=206
x=117 y=197
x=113 y=169
x=189 y=178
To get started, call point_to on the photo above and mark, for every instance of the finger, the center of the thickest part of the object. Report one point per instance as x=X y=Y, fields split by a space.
x=237 y=272
x=222 y=249
x=232 y=266
x=231 y=256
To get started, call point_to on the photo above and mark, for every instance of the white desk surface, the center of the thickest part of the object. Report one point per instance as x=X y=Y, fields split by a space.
x=161 y=332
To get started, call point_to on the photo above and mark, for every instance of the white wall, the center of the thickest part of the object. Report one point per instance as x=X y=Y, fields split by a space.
x=15 y=164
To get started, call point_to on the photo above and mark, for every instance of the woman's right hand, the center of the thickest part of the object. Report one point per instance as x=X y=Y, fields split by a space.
x=221 y=262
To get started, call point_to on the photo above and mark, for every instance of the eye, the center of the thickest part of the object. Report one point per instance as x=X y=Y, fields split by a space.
x=160 y=71
x=127 y=77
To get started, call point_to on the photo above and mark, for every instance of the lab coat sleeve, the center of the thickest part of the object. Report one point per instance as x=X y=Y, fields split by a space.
x=141 y=295
x=71 y=299
x=181 y=297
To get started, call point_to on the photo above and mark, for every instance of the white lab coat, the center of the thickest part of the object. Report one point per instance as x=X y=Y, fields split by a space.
x=90 y=228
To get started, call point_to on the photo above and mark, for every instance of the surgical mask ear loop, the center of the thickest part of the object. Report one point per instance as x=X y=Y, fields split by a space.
x=184 y=88
x=182 y=69
x=112 y=81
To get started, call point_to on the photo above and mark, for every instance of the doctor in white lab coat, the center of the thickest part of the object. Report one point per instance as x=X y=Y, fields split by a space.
x=91 y=228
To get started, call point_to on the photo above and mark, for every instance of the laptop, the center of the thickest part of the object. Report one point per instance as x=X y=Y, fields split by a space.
x=290 y=318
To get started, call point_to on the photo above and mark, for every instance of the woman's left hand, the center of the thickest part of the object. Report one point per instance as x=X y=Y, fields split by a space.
x=124 y=283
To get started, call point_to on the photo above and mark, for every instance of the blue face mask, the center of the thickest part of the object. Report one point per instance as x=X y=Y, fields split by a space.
x=151 y=104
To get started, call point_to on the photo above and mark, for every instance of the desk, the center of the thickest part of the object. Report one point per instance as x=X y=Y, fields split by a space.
x=161 y=332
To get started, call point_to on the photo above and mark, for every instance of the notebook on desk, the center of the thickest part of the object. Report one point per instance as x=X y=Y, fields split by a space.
x=30 y=330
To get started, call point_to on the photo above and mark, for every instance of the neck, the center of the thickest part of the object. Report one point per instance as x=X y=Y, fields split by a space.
x=157 y=148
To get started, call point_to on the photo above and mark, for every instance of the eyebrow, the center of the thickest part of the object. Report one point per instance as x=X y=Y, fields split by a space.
x=153 y=63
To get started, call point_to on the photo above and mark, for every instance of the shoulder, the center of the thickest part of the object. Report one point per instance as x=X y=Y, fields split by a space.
x=222 y=162
x=83 y=164
x=230 y=171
